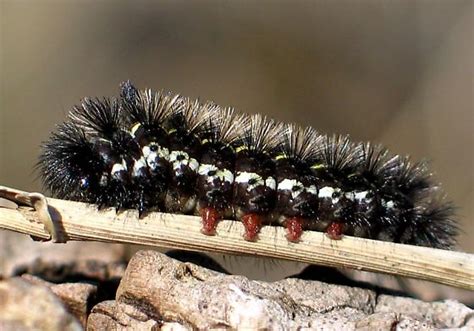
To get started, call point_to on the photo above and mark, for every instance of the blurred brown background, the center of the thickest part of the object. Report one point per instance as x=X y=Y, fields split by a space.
x=395 y=72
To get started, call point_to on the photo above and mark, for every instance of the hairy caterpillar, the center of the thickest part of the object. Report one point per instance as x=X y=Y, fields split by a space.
x=150 y=150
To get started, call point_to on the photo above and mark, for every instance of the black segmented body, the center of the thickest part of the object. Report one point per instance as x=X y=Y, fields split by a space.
x=157 y=151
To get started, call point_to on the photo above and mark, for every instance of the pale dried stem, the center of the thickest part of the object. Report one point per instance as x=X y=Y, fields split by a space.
x=74 y=221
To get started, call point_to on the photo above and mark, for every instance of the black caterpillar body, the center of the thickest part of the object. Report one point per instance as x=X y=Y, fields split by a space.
x=158 y=151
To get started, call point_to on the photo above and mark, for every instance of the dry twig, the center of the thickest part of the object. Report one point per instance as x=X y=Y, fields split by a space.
x=68 y=220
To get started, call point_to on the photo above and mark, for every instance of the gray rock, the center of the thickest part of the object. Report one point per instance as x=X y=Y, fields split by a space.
x=27 y=306
x=191 y=297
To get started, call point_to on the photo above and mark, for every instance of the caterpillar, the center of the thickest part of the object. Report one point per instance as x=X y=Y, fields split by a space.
x=158 y=151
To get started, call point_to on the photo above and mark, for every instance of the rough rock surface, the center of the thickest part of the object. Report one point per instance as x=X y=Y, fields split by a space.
x=28 y=306
x=77 y=297
x=164 y=290
x=112 y=315
x=80 y=286
x=157 y=292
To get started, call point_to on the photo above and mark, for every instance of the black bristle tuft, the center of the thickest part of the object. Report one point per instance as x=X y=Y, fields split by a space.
x=69 y=165
x=97 y=117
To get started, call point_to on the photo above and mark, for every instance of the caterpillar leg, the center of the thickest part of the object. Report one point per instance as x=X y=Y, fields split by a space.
x=252 y=223
x=210 y=218
x=334 y=230
x=294 y=228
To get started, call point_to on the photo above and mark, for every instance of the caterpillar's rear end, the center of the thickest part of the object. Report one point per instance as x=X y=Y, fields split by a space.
x=156 y=151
